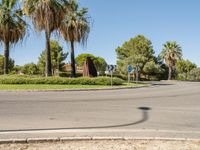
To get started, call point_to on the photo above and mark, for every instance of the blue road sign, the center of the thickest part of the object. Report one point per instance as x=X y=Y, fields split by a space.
x=130 y=68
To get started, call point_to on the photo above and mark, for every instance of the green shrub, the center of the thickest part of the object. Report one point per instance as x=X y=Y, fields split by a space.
x=68 y=74
x=123 y=77
x=107 y=81
x=59 y=80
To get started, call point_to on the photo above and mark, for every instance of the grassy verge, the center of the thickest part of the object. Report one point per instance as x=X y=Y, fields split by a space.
x=13 y=87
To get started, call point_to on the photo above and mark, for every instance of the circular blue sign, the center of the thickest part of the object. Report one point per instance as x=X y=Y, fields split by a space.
x=130 y=68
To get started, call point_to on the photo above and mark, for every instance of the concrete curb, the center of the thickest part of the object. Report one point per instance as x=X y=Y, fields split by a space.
x=77 y=90
x=41 y=140
x=67 y=139
x=63 y=139
x=10 y=141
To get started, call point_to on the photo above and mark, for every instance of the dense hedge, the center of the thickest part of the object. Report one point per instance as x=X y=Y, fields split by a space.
x=68 y=74
x=59 y=80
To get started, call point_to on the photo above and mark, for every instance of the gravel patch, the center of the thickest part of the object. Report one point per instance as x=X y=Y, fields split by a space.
x=107 y=145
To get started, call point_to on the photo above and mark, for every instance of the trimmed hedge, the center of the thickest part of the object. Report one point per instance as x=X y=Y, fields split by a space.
x=59 y=80
x=68 y=74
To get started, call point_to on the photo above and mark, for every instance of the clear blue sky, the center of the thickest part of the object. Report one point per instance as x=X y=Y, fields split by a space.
x=116 y=21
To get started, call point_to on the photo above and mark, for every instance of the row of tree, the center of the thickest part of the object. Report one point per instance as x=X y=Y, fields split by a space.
x=59 y=65
x=63 y=16
x=151 y=67
x=58 y=58
x=139 y=53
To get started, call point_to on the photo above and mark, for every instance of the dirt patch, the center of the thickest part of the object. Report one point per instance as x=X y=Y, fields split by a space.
x=107 y=145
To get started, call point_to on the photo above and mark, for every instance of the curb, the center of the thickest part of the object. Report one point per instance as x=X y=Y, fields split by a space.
x=42 y=140
x=77 y=139
x=77 y=90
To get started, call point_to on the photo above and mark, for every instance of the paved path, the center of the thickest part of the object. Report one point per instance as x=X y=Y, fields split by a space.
x=163 y=110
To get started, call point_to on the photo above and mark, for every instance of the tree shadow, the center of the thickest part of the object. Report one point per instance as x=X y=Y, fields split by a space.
x=161 y=84
x=145 y=117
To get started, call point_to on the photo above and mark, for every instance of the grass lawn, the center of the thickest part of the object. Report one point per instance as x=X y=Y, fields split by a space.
x=58 y=87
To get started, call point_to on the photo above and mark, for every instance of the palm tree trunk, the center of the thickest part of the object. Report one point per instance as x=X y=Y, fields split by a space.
x=6 y=57
x=170 y=73
x=48 y=55
x=73 y=68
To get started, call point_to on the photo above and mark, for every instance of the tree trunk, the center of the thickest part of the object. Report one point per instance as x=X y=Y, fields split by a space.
x=170 y=73
x=48 y=56
x=6 y=57
x=73 y=68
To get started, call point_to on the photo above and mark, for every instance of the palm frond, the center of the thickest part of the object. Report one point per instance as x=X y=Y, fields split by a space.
x=171 y=53
x=12 y=26
x=45 y=14
x=75 y=26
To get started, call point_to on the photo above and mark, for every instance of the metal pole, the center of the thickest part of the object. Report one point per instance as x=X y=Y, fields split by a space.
x=137 y=75
x=129 y=78
x=111 y=78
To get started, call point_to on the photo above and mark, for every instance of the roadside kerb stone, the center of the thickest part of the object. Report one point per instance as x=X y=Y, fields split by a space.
x=77 y=90
x=40 y=140
x=8 y=141
x=107 y=138
x=63 y=139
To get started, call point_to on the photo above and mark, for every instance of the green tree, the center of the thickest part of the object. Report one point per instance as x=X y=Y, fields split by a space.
x=99 y=62
x=30 y=69
x=57 y=56
x=195 y=74
x=151 y=68
x=11 y=64
x=17 y=69
x=75 y=29
x=183 y=68
x=170 y=54
x=12 y=27
x=100 y=65
x=47 y=16
x=80 y=59
x=136 y=52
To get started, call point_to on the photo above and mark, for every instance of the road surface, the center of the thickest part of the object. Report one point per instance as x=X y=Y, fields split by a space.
x=166 y=109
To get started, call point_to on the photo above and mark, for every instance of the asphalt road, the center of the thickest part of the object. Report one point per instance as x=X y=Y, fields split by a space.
x=166 y=109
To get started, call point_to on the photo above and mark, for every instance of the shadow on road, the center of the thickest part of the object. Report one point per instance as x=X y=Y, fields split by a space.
x=161 y=84
x=144 y=118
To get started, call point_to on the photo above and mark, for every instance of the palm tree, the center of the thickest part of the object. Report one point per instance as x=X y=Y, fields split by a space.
x=12 y=27
x=170 y=54
x=46 y=16
x=75 y=29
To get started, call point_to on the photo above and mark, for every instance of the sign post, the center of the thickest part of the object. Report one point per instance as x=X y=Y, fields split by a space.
x=137 y=73
x=110 y=69
x=130 y=69
x=111 y=78
x=129 y=78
